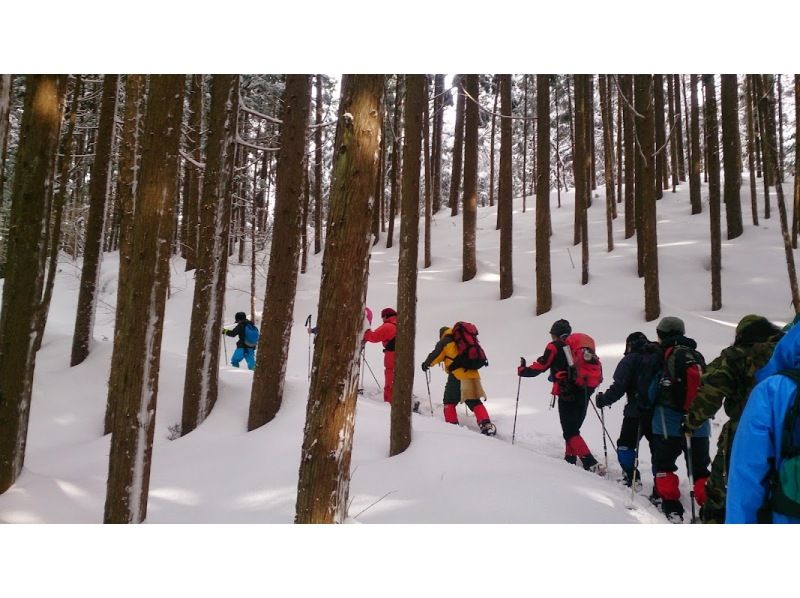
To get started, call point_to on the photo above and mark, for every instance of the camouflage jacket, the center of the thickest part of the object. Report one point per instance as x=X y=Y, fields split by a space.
x=728 y=380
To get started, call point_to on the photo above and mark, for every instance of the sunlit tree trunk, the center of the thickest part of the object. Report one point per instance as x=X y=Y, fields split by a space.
x=712 y=143
x=544 y=295
x=470 y=218
x=695 y=155
x=458 y=145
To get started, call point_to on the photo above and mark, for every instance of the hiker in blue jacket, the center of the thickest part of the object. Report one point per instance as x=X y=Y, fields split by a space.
x=243 y=350
x=757 y=446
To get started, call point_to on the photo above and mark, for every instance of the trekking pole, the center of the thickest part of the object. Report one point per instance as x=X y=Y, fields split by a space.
x=604 y=427
x=371 y=372
x=428 y=384
x=308 y=328
x=516 y=406
x=225 y=346
x=635 y=461
x=689 y=475
x=605 y=449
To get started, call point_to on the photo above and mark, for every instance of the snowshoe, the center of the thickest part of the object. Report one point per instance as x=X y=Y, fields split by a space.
x=487 y=428
x=654 y=498
x=675 y=518
x=598 y=468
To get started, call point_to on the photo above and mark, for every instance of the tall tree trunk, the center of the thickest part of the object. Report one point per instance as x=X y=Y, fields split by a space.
x=318 y=167
x=662 y=172
x=504 y=191
x=712 y=143
x=496 y=86
x=304 y=217
x=608 y=154
x=544 y=295
x=751 y=165
x=99 y=192
x=646 y=183
x=759 y=92
x=400 y=435
x=471 y=123
x=796 y=210
x=626 y=92
x=324 y=479
x=582 y=169
x=276 y=326
x=427 y=152
x=679 y=129
x=458 y=145
x=730 y=155
x=140 y=314
x=202 y=355
x=5 y=112
x=38 y=135
x=695 y=155
x=590 y=132
x=781 y=156
x=766 y=105
x=394 y=203
x=57 y=211
x=524 y=142
x=620 y=136
x=194 y=175
x=438 y=126
x=673 y=138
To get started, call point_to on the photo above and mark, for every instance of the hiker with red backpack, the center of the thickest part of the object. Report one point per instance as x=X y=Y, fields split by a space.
x=575 y=372
x=671 y=387
x=463 y=383
x=386 y=334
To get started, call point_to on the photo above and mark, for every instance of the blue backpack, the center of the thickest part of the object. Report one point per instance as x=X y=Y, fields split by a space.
x=251 y=335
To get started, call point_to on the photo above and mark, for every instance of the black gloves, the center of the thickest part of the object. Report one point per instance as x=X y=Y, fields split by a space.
x=425 y=366
x=601 y=401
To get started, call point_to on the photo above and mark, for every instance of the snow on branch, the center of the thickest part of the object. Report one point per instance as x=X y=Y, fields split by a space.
x=244 y=108
x=188 y=158
x=260 y=148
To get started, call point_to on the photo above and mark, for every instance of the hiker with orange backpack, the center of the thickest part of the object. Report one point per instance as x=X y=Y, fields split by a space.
x=463 y=384
x=573 y=384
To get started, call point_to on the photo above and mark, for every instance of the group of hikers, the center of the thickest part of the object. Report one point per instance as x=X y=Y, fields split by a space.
x=671 y=395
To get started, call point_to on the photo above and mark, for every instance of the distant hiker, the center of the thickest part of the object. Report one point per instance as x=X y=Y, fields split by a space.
x=386 y=334
x=636 y=418
x=247 y=343
x=671 y=388
x=573 y=401
x=763 y=480
x=463 y=385
x=729 y=380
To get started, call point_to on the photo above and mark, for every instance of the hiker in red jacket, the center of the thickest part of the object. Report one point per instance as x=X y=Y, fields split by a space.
x=572 y=401
x=385 y=333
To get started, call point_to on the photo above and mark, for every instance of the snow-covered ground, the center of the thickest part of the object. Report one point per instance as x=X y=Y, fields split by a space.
x=220 y=473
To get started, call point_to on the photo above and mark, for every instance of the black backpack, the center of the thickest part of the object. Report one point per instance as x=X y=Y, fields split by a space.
x=676 y=384
x=784 y=483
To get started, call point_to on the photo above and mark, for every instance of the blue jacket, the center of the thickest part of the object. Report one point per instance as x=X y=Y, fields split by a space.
x=758 y=437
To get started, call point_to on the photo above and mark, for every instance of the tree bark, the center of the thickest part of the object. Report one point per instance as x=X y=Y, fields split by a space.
x=712 y=145
x=524 y=143
x=796 y=210
x=674 y=131
x=694 y=167
x=679 y=129
x=400 y=435
x=458 y=146
x=99 y=194
x=470 y=207
x=438 y=127
x=766 y=105
x=140 y=314
x=582 y=169
x=608 y=155
x=662 y=172
x=324 y=478
x=394 y=203
x=194 y=175
x=544 y=295
x=276 y=326
x=202 y=355
x=646 y=184
x=504 y=191
x=38 y=135
x=751 y=166
x=626 y=91
x=427 y=152
x=730 y=155
x=491 y=148
x=318 y=167
x=5 y=111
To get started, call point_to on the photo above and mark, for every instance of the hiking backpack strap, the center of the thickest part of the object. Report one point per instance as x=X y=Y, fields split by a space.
x=786 y=476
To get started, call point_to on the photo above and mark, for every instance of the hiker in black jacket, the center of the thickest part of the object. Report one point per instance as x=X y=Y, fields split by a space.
x=243 y=350
x=636 y=418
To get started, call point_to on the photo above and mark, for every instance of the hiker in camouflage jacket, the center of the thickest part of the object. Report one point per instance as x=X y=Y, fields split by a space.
x=727 y=382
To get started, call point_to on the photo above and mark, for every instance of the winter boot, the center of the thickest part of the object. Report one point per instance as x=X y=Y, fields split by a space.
x=487 y=427
x=571 y=459
x=590 y=464
x=654 y=497
x=673 y=509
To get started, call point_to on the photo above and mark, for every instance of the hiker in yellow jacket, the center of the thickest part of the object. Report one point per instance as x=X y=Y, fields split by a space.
x=462 y=385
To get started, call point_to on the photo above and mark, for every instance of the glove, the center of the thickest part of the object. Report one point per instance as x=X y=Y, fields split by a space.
x=521 y=371
x=225 y=331
x=601 y=400
x=425 y=366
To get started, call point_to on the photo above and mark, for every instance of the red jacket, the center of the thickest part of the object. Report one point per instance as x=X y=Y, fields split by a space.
x=385 y=333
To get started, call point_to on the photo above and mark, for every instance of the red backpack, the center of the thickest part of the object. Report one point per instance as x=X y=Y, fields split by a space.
x=585 y=369
x=471 y=355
